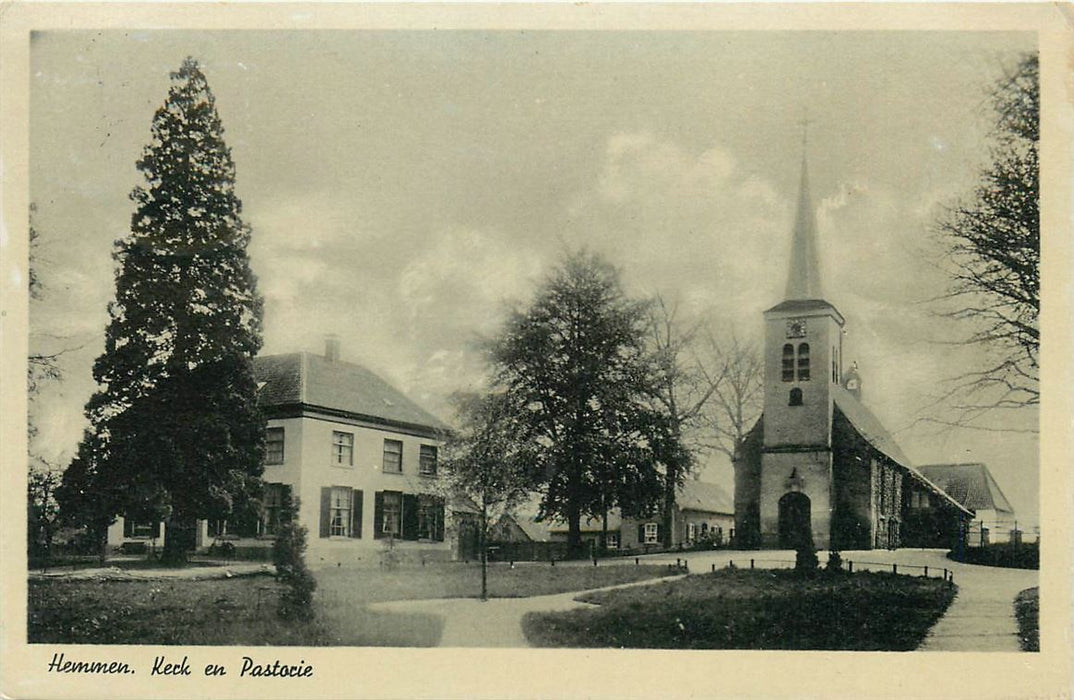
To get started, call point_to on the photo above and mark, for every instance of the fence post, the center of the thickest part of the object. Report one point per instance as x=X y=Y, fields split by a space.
x=751 y=563
x=713 y=567
x=926 y=572
x=635 y=561
x=553 y=560
x=894 y=568
x=850 y=566
x=594 y=561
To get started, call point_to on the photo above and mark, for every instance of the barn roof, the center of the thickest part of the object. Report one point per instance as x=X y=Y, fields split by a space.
x=311 y=380
x=970 y=484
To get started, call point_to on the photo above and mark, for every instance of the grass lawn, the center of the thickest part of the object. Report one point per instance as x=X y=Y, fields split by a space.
x=743 y=609
x=227 y=611
x=1027 y=611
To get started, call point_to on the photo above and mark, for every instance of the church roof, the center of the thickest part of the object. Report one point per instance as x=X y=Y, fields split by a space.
x=312 y=380
x=873 y=431
x=971 y=484
x=803 y=278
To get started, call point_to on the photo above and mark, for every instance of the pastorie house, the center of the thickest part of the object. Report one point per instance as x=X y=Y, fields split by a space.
x=361 y=458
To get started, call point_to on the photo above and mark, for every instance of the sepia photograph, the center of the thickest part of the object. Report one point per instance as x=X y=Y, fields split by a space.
x=561 y=338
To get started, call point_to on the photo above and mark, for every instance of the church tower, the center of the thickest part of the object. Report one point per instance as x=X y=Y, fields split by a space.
x=819 y=469
x=803 y=355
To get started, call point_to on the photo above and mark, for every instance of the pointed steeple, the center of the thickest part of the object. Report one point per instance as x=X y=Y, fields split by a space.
x=803 y=281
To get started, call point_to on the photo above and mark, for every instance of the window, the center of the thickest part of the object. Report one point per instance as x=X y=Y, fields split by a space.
x=788 y=363
x=795 y=398
x=803 y=362
x=650 y=533
x=427 y=464
x=691 y=532
x=274 y=446
x=340 y=513
x=272 y=509
x=430 y=518
x=392 y=518
x=611 y=540
x=393 y=456
x=342 y=449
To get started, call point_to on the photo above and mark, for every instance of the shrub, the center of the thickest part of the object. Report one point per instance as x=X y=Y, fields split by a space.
x=835 y=562
x=289 y=556
x=806 y=558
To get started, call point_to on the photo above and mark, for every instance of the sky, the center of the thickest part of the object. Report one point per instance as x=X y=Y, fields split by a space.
x=406 y=187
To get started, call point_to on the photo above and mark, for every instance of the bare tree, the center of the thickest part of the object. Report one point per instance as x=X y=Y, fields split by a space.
x=683 y=390
x=992 y=241
x=738 y=377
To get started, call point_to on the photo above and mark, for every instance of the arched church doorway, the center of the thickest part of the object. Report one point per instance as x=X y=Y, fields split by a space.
x=794 y=523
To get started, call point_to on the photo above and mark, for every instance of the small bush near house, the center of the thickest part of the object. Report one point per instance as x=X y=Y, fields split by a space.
x=744 y=609
x=835 y=561
x=1027 y=612
x=289 y=556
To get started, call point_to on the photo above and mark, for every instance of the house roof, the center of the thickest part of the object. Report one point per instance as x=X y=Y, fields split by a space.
x=311 y=380
x=704 y=496
x=873 y=431
x=970 y=484
x=537 y=531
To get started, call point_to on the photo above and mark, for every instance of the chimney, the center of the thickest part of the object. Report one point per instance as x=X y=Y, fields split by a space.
x=331 y=347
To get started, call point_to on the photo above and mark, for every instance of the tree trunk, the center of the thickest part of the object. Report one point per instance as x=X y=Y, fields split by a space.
x=100 y=530
x=669 y=503
x=484 y=552
x=604 y=530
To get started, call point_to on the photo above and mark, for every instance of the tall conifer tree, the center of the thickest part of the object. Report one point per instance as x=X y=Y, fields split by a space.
x=178 y=432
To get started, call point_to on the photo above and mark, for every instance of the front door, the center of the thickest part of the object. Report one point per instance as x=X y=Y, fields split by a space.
x=794 y=524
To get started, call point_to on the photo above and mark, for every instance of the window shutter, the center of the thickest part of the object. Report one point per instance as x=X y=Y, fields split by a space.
x=410 y=516
x=659 y=532
x=641 y=532
x=156 y=529
x=326 y=510
x=440 y=520
x=378 y=515
x=128 y=527
x=356 y=513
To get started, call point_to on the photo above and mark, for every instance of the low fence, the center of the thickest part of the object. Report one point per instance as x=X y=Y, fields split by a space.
x=850 y=565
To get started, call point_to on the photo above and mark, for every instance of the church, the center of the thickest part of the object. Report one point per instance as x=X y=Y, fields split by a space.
x=818 y=466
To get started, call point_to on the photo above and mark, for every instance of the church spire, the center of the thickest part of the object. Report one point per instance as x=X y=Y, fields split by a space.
x=803 y=281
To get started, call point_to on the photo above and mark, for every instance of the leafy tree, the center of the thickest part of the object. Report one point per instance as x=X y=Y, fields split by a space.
x=993 y=244
x=176 y=426
x=489 y=461
x=575 y=371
